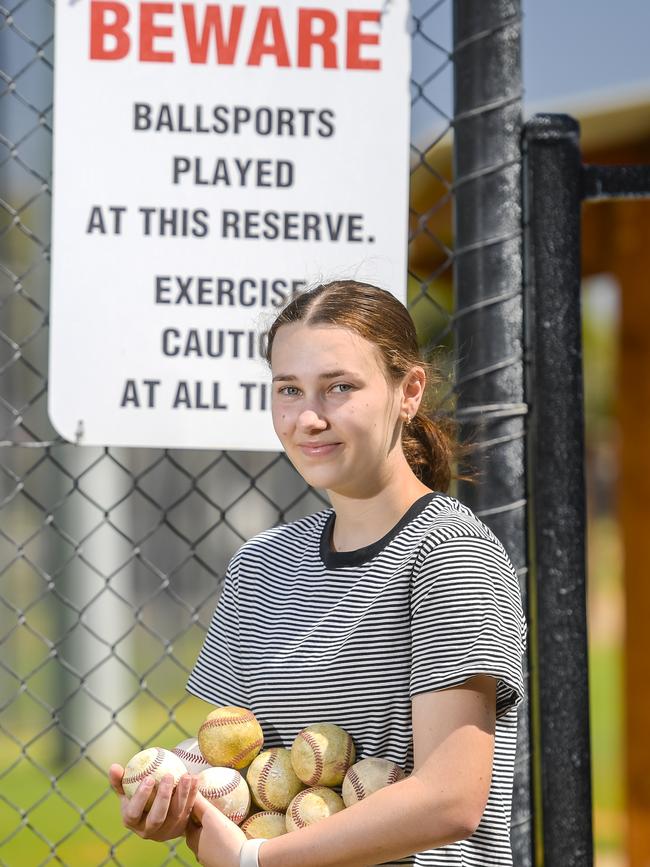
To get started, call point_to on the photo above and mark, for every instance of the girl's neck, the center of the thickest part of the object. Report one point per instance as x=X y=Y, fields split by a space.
x=360 y=521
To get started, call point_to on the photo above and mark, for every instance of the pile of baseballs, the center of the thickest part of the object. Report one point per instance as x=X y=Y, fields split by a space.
x=286 y=788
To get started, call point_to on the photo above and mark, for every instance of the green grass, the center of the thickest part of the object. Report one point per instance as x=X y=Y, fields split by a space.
x=606 y=631
x=65 y=812
x=74 y=820
x=606 y=702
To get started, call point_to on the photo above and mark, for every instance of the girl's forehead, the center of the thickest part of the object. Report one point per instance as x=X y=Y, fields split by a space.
x=303 y=343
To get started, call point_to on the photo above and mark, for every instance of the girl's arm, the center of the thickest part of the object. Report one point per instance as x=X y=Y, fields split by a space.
x=440 y=802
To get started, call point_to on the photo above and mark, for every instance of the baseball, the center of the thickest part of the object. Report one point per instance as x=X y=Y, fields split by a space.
x=272 y=779
x=154 y=762
x=312 y=805
x=321 y=754
x=367 y=776
x=230 y=737
x=227 y=790
x=189 y=753
x=266 y=824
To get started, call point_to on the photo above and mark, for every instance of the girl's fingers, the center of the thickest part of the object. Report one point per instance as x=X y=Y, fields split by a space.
x=170 y=808
x=160 y=807
x=177 y=814
x=186 y=796
x=194 y=791
x=115 y=774
x=133 y=808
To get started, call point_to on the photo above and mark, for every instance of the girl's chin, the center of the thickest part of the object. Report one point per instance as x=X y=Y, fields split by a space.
x=321 y=477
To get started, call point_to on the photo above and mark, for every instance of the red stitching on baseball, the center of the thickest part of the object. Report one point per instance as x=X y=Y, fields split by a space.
x=186 y=756
x=136 y=778
x=249 y=716
x=396 y=774
x=263 y=778
x=357 y=785
x=261 y=813
x=318 y=759
x=219 y=792
x=240 y=756
x=347 y=761
x=348 y=753
x=250 y=822
x=295 y=814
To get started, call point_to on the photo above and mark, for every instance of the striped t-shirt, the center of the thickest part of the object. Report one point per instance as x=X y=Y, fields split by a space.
x=304 y=634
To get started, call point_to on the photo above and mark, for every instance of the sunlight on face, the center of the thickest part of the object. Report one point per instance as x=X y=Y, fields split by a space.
x=333 y=410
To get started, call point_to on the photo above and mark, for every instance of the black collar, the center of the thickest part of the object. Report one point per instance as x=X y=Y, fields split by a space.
x=336 y=559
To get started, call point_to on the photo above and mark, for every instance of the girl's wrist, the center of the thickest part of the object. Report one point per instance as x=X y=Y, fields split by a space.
x=248 y=854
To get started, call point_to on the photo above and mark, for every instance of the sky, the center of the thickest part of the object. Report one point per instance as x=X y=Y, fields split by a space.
x=572 y=50
x=575 y=47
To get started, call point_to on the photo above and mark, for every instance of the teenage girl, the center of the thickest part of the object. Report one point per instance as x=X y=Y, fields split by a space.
x=396 y=613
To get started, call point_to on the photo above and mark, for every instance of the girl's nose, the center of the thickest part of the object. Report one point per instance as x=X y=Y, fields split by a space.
x=310 y=419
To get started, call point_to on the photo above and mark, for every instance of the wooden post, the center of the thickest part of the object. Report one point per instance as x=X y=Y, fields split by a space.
x=631 y=249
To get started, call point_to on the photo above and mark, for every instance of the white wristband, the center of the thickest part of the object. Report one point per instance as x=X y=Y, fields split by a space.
x=248 y=852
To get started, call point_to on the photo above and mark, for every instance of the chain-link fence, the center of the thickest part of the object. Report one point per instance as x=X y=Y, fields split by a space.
x=111 y=558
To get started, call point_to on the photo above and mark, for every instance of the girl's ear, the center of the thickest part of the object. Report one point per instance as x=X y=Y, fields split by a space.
x=413 y=390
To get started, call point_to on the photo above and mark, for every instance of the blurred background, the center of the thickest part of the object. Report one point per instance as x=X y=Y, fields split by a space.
x=111 y=559
x=587 y=59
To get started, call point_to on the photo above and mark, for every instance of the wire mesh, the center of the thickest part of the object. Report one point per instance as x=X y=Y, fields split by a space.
x=111 y=559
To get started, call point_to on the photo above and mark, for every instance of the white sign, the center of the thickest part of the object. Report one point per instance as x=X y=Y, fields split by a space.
x=211 y=161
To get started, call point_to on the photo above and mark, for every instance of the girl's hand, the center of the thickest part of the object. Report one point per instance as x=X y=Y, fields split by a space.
x=169 y=812
x=214 y=839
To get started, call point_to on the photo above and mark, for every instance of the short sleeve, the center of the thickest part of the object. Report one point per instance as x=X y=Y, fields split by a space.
x=467 y=619
x=217 y=676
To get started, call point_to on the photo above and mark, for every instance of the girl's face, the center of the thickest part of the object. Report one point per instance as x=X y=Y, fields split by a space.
x=334 y=412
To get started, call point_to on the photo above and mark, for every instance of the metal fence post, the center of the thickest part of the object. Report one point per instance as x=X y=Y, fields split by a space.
x=489 y=317
x=553 y=195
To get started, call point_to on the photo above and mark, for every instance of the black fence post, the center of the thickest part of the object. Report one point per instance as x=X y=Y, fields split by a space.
x=552 y=210
x=488 y=317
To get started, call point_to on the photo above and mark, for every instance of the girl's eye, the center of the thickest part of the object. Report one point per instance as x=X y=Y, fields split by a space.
x=292 y=390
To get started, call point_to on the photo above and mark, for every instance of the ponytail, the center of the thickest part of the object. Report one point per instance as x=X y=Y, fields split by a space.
x=430 y=449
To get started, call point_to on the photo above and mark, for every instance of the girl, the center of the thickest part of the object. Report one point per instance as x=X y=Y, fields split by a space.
x=396 y=613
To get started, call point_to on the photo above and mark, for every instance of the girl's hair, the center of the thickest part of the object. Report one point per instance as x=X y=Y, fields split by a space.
x=430 y=446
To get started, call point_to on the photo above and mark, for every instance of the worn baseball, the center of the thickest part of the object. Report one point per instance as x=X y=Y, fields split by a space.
x=312 y=805
x=266 y=824
x=367 y=776
x=272 y=779
x=189 y=753
x=227 y=790
x=322 y=754
x=230 y=737
x=154 y=762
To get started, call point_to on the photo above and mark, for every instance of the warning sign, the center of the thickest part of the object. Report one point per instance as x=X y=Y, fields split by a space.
x=211 y=161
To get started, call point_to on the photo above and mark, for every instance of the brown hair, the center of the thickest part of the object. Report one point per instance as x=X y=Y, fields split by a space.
x=430 y=446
